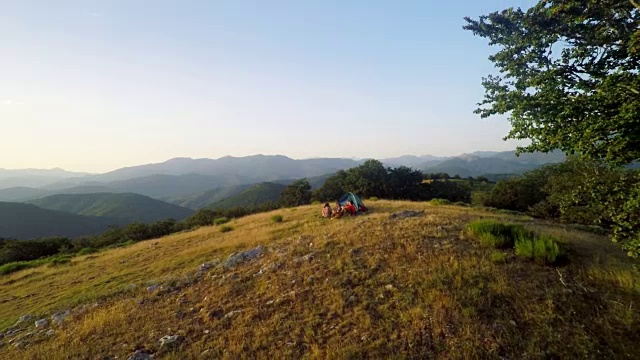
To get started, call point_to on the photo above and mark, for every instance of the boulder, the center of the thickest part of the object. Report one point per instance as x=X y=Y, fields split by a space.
x=406 y=214
x=241 y=257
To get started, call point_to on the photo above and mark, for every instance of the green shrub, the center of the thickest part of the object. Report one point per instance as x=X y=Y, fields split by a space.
x=373 y=198
x=543 y=249
x=498 y=257
x=87 y=251
x=17 y=266
x=60 y=261
x=496 y=234
x=220 y=221
x=439 y=202
x=225 y=229
x=277 y=218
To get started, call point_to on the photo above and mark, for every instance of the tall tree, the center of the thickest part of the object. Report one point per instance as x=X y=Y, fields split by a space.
x=568 y=76
x=296 y=194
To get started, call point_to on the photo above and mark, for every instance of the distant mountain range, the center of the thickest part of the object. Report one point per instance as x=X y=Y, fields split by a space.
x=183 y=180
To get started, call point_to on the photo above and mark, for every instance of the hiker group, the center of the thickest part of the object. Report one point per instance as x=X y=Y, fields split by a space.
x=348 y=204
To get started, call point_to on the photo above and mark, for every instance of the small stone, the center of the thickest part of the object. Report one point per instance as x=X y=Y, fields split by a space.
x=389 y=287
x=153 y=288
x=59 y=317
x=51 y=332
x=140 y=355
x=170 y=341
x=270 y=302
x=24 y=318
x=207 y=332
x=41 y=323
x=233 y=313
x=513 y=323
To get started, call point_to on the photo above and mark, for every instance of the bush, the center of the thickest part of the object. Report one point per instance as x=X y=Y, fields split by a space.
x=87 y=250
x=496 y=234
x=220 y=221
x=439 y=202
x=17 y=266
x=60 y=261
x=225 y=229
x=543 y=249
x=498 y=257
x=277 y=218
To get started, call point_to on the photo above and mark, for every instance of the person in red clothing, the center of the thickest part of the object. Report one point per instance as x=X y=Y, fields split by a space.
x=350 y=208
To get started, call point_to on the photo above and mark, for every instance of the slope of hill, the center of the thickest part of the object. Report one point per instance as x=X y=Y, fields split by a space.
x=480 y=166
x=34 y=177
x=26 y=221
x=255 y=195
x=199 y=200
x=412 y=288
x=130 y=207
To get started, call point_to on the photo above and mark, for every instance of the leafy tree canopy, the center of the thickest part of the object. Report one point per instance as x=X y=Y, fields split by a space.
x=568 y=76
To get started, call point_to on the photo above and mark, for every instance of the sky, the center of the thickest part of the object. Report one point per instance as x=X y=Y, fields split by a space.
x=98 y=85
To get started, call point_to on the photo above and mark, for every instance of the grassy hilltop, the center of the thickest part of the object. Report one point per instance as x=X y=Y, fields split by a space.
x=363 y=287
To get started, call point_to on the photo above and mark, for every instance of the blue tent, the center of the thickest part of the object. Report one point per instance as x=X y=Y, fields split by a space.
x=355 y=200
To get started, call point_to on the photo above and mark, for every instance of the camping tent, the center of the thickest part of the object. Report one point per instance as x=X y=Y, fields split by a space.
x=355 y=200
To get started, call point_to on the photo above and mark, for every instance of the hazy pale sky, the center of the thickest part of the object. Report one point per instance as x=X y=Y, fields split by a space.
x=97 y=85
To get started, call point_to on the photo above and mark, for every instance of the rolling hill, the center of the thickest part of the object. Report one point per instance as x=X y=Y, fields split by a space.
x=415 y=288
x=255 y=195
x=27 y=221
x=126 y=206
x=201 y=200
x=480 y=166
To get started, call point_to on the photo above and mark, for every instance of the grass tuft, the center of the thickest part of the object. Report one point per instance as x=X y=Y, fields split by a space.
x=220 y=221
x=496 y=234
x=277 y=218
x=87 y=251
x=226 y=228
x=439 y=202
x=498 y=257
x=543 y=249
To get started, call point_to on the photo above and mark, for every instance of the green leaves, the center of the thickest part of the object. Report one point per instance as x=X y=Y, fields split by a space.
x=567 y=76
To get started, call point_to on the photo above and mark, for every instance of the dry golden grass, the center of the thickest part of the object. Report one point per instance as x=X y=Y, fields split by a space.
x=374 y=288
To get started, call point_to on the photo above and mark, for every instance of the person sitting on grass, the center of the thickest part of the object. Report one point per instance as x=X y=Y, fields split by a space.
x=350 y=208
x=337 y=211
x=326 y=210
